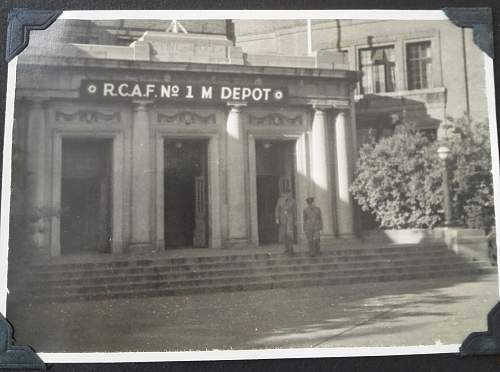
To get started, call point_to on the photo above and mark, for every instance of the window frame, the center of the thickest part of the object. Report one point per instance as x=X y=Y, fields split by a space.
x=432 y=58
x=359 y=65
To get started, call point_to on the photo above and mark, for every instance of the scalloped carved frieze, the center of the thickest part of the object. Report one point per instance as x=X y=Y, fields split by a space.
x=276 y=120
x=186 y=118
x=88 y=116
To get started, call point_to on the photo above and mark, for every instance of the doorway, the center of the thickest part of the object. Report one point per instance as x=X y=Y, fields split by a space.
x=185 y=191
x=275 y=165
x=86 y=196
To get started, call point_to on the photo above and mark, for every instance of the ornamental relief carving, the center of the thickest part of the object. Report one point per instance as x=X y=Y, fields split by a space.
x=276 y=120
x=88 y=116
x=186 y=118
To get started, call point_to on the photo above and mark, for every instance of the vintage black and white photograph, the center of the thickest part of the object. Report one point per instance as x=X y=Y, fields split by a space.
x=250 y=184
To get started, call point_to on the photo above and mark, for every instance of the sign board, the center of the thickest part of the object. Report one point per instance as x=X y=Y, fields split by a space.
x=168 y=91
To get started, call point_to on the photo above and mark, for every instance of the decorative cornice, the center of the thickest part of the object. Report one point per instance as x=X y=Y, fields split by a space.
x=89 y=116
x=186 y=118
x=293 y=73
x=276 y=120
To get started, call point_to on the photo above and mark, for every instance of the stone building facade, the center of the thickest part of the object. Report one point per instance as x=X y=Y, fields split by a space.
x=175 y=140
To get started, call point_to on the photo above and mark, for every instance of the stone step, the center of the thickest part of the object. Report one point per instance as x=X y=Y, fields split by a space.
x=303 y=260
x=236 y=279
x=331 y=279
x=130 y=260
x=85 y=269
x=151 y=273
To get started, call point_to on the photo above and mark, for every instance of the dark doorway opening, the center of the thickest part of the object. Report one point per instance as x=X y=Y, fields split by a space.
x=275 y=165
x=186 y=207
x=86 y=196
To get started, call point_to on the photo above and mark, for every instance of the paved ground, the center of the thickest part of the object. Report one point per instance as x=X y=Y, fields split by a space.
x=397 y=313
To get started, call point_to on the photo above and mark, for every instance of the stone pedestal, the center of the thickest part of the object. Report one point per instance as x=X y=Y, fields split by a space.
x=38 y=210
x=141 y=178
x=320 y=169
x=468 y=243
x=344 y=203
x=190 y=47
x=236 y=195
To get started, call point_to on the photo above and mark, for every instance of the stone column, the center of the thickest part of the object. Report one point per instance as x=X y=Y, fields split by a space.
x=141 y=177
x=37 y=208
x=320 y=168
x=236 y=195
x=344 y=149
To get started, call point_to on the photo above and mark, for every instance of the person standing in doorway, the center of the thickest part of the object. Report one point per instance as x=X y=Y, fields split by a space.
x=313 y=224
x=285 y=213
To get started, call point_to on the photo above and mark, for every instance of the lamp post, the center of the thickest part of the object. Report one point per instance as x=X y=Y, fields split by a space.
x=444 y=154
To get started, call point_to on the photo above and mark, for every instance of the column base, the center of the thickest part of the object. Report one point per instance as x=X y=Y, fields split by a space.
x=216 y=244
x=160 y=245
x=327 y=240
x=117 y=247
x=141 y=248
x=239 y=243
x=32 y=254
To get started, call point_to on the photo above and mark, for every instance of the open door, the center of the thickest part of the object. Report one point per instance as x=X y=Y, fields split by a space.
x=86 y=196
x=275 y=164
x=186 y=215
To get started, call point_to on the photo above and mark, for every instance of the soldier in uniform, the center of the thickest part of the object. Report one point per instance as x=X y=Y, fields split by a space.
x=285 y=213
x=313 y=224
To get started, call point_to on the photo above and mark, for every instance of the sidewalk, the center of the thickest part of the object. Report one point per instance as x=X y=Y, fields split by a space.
x=427 y=312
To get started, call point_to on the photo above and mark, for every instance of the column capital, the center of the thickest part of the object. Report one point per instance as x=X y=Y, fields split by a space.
x=236 y=106
x=321 y=108
x=141 y=104
x=341 y=111
x=342 y=114
x=35 y=102
x=330 y=103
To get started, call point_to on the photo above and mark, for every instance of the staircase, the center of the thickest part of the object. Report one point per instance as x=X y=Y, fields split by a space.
x=125 y=276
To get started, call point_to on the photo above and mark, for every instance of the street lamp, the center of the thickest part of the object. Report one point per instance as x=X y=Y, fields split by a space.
x=444 y=154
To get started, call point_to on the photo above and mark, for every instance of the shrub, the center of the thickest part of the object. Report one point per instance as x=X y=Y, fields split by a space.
x=398 y=178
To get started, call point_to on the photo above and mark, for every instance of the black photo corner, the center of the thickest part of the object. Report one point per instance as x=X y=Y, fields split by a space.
x=479 y=351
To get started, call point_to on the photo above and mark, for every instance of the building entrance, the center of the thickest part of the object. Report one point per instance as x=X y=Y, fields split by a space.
x=186 y=217
x=85 y=196
x=275 y=164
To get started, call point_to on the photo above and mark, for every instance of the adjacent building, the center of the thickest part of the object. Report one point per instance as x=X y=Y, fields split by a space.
x=426 y=69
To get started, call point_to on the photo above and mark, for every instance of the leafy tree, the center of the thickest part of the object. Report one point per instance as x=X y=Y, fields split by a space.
x=470 y=164
x=398 y=178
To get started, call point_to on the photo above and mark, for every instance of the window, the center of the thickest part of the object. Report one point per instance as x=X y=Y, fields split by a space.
x=419 y=63
x=378 y=68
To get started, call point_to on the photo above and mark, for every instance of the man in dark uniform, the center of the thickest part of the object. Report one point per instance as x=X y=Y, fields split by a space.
x=313 y=224
x=285 y=213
